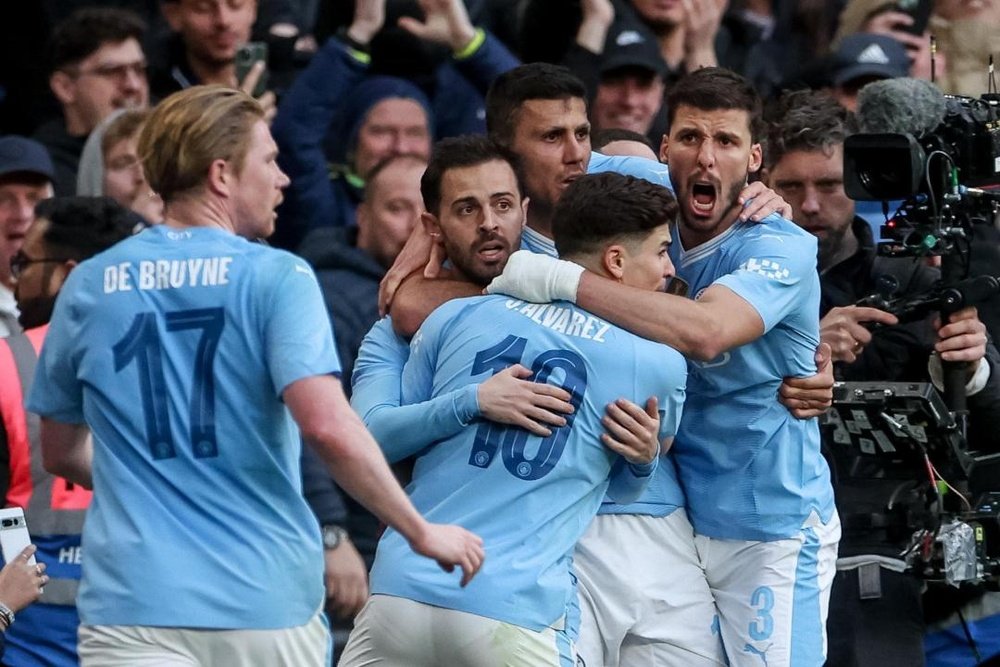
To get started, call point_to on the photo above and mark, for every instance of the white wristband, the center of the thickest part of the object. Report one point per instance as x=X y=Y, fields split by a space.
x=538 y=278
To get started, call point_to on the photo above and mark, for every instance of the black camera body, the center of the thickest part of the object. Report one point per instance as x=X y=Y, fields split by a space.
x=964 y=148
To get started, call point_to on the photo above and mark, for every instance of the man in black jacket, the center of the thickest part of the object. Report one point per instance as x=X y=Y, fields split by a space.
x=349 y=263
x=875 y=612
x=98 y=66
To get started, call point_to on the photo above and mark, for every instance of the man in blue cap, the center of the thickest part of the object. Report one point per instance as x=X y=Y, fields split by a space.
x=862 y=58
x=26 y=175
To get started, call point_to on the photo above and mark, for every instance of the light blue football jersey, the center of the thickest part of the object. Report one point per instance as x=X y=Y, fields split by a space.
x=530 y=498
x=749 y=469
x=175 y=347
x=376 y=395
x=630 y=165
x=663 y=494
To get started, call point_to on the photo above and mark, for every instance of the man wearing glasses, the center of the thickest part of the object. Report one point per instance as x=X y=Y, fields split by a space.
x=26 y=175
x=98 y=66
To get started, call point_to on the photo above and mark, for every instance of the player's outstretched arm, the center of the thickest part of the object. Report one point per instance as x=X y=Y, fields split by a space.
x=718 y=321
x=68 y=451
x=328 y=424
x=418 y=296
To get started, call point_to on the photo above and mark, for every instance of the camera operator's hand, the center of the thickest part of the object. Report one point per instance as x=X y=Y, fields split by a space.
x=844 y=331
x=963 y=339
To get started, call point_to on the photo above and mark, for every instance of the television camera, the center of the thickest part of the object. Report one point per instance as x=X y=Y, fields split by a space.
x=939 y=157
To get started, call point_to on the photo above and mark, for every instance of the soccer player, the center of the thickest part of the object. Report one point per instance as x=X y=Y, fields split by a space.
x=192 y=354
x=757 y=488
x=532 y=495
x=538 y=112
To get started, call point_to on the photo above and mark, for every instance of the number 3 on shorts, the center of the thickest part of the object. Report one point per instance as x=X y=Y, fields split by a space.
x=762 y=599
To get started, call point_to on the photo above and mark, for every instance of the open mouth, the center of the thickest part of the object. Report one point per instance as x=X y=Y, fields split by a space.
x=703 y=197
x=492 y=252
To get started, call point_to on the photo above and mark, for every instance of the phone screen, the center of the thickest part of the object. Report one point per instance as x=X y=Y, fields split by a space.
x=920 y=10
x=14 y=535
x=246 y=56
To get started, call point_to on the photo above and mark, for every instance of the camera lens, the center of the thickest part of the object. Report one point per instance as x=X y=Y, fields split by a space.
x=7 y=523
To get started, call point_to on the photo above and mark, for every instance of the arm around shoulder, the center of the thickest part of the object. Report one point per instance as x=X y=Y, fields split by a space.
x=718 y=321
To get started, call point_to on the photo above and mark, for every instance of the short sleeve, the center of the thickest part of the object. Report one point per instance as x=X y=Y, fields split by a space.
x=774 y=272
x=299 y=340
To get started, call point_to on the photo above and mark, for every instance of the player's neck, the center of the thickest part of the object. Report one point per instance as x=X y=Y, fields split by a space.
x=540 y=218
x=197 y=212
x=692 y=237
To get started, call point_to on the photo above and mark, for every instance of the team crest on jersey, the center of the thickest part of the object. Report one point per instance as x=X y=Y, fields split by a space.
x=765 y=267
x=720 y=360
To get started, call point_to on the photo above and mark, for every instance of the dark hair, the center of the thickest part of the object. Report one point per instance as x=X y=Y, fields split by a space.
x=81 y=227
x=84 y=31
x=602 y=138
x=599 y=207
x=458 y=152
x=533 y=81
x=806 y=120
x=715 y=88
x=383 y=164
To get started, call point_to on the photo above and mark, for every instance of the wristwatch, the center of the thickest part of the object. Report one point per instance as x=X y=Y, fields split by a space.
x=333 y=536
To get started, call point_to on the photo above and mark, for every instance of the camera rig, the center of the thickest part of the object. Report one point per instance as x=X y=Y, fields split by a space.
x=899 y=431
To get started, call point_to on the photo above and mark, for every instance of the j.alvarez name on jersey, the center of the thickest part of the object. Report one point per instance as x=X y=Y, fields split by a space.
x=562 y=319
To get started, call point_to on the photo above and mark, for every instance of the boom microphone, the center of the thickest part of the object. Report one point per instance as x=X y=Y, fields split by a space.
x=900 y=106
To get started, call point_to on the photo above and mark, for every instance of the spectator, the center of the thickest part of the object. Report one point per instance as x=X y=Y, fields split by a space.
x=966 y=32
x=619 y=61
x=21 y=583
x=778 y=44
x=206 y=34
x=686 y=32
x=26 y=175
x=349 y=263
x=372 y=117
x=265 y=358
x=862 y=58
x=110 y=166
x=97 y=66
x=66 y=231
x=630 y=90
x=202 y=47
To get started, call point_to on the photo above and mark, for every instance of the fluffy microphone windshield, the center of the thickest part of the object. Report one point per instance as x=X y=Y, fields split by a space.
x=900 y=106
